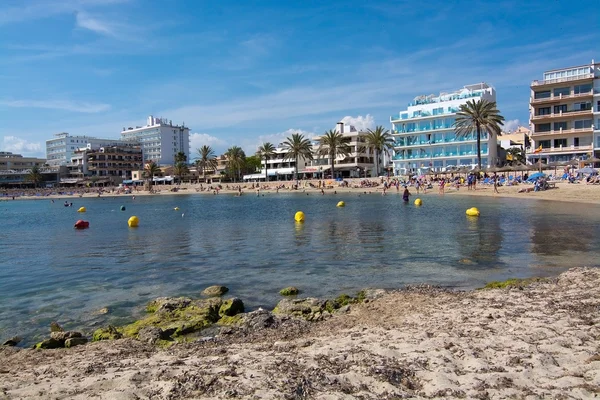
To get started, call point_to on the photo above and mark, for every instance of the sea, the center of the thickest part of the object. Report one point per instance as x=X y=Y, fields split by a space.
x=50 y=271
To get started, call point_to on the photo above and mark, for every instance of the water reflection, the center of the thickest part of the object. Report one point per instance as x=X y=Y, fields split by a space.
x=480 y=243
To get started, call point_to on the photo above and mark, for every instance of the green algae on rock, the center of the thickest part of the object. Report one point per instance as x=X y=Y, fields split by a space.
x=108 y=333
x=512 y=283
x=289 y=291
x=231 y=307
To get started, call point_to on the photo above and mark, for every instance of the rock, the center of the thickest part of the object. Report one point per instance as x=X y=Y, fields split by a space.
x=214 y=291
x=48 y=344
x=259 y=319
x=102 y=311
x=108 y=333
x=305 y=308
x=150 y=334
x=231 y=307
x=61 y=336
x=55 y=327
x=371 y=294
x=168 y=304
x=345 y=309
x=75 y=341
x=326 y=314
x=289 y=291
x=13 y=341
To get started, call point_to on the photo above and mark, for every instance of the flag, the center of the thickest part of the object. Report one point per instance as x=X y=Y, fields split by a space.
x=539 y=149
x=509 y=157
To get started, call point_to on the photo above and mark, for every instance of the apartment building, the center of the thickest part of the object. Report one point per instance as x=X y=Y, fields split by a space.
x=564 y=111
x=160 y=140
x=425 y=138
x=61 y=148
x=109 y=161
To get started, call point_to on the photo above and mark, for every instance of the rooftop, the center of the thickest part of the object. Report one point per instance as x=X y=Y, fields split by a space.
x=467 y=91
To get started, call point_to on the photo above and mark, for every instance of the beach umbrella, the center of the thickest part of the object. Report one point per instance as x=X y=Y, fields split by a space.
x=592 y=160
x=535 y=176
x=587 y=170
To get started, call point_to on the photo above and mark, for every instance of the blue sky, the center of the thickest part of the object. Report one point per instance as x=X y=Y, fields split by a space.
x=244 y=72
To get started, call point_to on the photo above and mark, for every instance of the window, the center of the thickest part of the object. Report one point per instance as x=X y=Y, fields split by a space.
x=564 y=91
x=545 y=144
x=560 y=125
x=560 y=108
x=542 y=127
x=581 y=124
x=560 y=142
x=586 y=88
x=583 y=106
x=542 y=95
x=544 y=111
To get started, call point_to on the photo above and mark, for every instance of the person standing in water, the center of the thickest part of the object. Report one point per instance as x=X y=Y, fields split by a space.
x=405 y=195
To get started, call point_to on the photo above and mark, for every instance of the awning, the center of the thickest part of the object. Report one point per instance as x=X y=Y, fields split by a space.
x=254 y=176
x=285 y=171
x=312 y=170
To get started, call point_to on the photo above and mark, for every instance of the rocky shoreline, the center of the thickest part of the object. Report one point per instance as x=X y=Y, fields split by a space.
x=537 y=339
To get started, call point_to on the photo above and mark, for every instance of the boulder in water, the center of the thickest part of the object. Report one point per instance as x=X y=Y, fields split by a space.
x=231 y=307
x=215 y=290
x=289 y=291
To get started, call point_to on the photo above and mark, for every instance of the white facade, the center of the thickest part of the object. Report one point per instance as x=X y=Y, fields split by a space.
x=425 y=137
x=60 y=150
x=160 y=140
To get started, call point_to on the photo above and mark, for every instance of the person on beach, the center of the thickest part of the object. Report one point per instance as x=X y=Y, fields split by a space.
x=442 y=186
x=496 y=183
x=406 y=194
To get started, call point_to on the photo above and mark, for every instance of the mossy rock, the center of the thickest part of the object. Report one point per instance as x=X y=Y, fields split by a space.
x=289 y=291
x=196 y=316
x=231 y=307
x=230 y=320
x=163 y=304
x=512 y=283
x=305 y=308
x=108 y=333
x=75 y=341
x=49 y=344
x=215 y=291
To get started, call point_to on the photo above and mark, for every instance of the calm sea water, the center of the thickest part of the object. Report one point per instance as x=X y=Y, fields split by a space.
x=52 y=272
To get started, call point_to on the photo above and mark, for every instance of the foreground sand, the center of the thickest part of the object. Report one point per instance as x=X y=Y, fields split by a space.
x=538 y=342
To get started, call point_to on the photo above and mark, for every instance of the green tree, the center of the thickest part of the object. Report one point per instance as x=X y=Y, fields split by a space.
x=252 y=164
x=236 y=159
x=265 y=151
x=479 y=116
x=378 y=141
x=333 y=144
x=180 y=169
x=180 y=157
x=296 y=147
x=206 y=160
x=35 y=176
x=150 y=171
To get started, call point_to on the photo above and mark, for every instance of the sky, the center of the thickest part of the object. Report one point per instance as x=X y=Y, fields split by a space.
x=247 y=72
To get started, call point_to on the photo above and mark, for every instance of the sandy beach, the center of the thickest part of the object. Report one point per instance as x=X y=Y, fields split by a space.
x=540 y=341
x=564 y=191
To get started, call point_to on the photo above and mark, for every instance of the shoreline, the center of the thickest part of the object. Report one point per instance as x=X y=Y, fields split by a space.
x=540 y=340
x=564 y=192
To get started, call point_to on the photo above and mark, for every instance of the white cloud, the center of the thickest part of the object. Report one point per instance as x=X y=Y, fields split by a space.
x=198 y=140
x=65 y=105
x=17 y=145
x=511 y=125
x=86 y=21
x=360 y=123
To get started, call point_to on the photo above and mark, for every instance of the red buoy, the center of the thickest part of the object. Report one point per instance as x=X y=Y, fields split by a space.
x=81 y=224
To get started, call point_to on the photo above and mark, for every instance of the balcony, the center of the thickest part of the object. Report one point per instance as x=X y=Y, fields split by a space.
x=560 y=97
x=424 y=114
x=568 y=149
x=564 y=131
x=569 y=113
x=537 y=83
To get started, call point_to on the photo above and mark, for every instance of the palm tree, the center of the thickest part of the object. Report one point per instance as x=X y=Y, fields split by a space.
x=265 y=151
x=479 y=116
x=35 y=175
x=236 y=159
x=180 y=169
x=517 y=154
x=379 y=141
x=206 y=160
x=180 y=157
x=297 y=146
x=333 y=144
x=150 y=170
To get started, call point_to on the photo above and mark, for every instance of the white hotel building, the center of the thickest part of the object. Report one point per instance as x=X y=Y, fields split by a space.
x=61 y=149
x=160 y=140
x=425 y=136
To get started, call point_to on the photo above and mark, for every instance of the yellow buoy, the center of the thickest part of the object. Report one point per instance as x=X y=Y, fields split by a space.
x=81 y=209
x=299 y=217
x=473 y=212
x=418 y=202
x=133 y=222
x=341 y=204
x=176 y=209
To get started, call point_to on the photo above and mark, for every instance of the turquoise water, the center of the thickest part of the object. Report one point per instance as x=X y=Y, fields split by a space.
x=52 y=272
